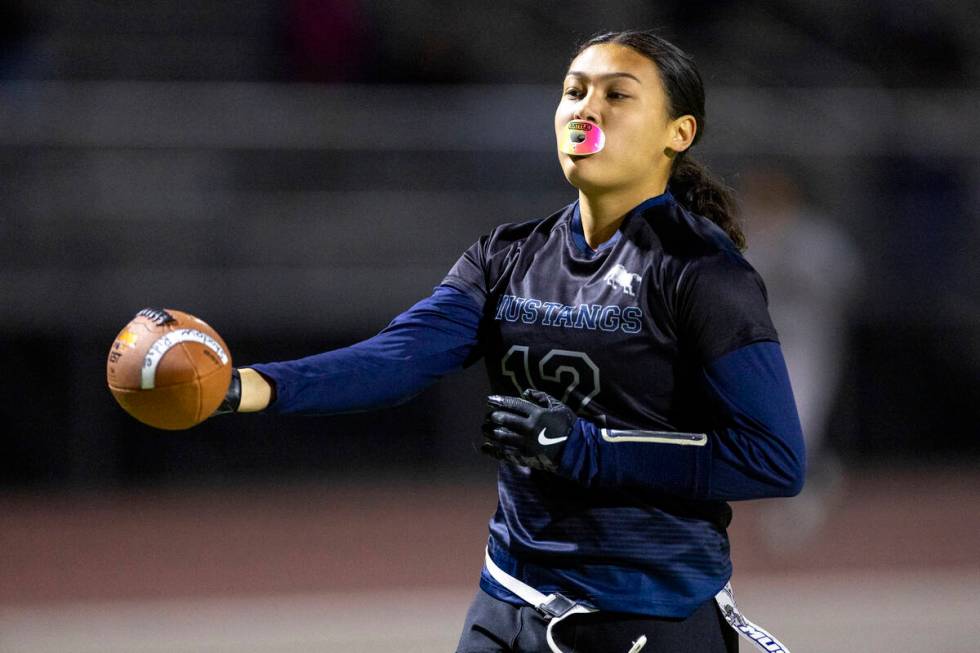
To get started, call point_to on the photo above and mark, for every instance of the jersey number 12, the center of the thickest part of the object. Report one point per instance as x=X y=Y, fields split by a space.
x=569 y=376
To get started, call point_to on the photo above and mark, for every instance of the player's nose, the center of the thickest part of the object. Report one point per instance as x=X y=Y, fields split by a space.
x=586 y=113
x=585 y=110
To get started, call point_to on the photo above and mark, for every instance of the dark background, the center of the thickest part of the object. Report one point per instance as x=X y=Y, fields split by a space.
x=296 y=173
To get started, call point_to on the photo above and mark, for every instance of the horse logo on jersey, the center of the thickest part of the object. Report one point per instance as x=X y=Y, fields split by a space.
x=620 y=277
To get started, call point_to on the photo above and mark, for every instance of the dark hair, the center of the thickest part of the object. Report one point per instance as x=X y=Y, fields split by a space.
x=690 y=182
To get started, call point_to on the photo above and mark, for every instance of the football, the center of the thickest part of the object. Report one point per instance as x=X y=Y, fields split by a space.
x=168 y=369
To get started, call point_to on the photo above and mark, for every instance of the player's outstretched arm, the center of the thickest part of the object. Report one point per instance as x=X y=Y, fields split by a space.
x=436 y=336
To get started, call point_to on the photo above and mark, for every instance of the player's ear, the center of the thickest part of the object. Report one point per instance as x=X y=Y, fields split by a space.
x=681 y=133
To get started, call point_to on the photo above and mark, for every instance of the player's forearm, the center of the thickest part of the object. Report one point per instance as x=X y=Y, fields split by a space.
x=638 y=460
x=346 y=380
x=436 y=336
x=688 y=468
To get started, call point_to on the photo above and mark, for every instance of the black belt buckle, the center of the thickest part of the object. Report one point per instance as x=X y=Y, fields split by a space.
x=557 y=606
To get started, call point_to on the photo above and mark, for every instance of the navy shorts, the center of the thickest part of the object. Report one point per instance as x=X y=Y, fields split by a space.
x=495 y=626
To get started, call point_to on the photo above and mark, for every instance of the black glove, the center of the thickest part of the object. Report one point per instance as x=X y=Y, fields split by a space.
x=233 y=398
x=531 y=430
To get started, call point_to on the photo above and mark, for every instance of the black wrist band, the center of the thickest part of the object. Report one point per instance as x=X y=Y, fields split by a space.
x=233 y=398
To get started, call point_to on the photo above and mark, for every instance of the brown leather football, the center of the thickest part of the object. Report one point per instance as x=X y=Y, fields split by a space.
x=168 y=369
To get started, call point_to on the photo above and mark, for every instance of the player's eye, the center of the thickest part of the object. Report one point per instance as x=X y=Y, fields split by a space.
x=573 y=92
x=616 y=95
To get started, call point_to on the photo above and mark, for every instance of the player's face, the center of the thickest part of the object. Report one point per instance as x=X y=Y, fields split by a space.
x=620 y=90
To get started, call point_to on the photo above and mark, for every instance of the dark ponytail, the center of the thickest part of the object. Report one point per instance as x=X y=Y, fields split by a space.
x=700 y=193
x=690 y=182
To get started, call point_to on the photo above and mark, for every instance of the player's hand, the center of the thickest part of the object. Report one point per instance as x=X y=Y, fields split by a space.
x=233 y=398
x=529 y=430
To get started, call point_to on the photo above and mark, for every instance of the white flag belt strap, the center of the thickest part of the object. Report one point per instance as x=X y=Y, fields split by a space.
x=555 y=606
x=520 y=588
x=757 y=635
x=559 y=607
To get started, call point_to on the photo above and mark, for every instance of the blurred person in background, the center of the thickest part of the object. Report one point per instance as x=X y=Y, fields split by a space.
x=812 y=271
x=639 y=383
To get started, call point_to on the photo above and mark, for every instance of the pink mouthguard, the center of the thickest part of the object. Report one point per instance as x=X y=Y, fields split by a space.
x=581 y=137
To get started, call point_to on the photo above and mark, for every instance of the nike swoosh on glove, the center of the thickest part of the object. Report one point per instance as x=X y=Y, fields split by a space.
x=531 y=430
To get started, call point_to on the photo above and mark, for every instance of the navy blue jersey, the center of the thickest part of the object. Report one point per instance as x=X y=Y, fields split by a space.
x=621 y=334
x=666 y=294
x=663 y=329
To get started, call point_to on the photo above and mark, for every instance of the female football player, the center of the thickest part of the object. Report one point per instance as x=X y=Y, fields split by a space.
x=638 y=381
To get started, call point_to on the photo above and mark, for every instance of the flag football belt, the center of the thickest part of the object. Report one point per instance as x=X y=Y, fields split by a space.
x=556 y=607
